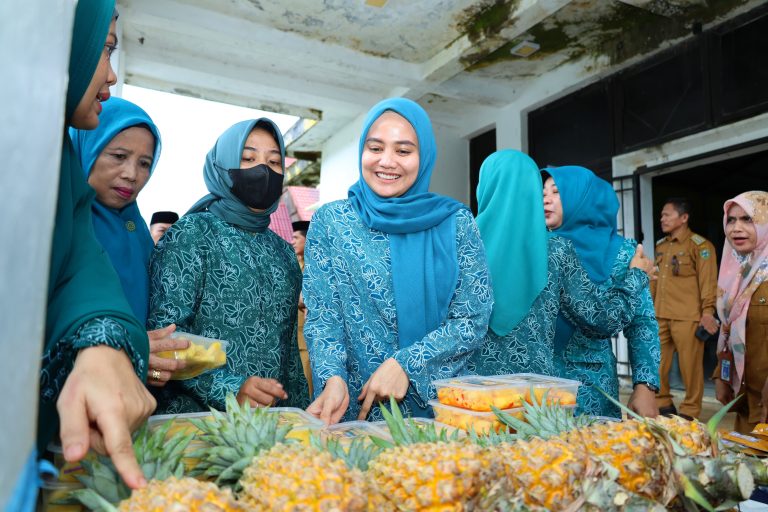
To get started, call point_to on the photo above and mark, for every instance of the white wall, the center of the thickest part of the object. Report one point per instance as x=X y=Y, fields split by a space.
x=339 y=168
x=451 y=176
x=34 y=50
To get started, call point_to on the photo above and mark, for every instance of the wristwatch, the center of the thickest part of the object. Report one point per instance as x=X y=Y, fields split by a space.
x=650 y=386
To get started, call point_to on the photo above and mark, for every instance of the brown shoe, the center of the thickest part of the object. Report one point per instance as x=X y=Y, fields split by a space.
x=670 y=410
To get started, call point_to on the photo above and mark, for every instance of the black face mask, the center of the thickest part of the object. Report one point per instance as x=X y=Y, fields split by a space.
x=258 y=187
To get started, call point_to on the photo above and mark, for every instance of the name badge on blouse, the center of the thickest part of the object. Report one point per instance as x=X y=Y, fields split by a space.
x=725 y=370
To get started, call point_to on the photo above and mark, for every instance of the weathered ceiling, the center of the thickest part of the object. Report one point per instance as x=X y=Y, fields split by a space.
x=330 y=60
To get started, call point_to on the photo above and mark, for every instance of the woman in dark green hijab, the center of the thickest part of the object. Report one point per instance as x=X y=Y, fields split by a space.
x=95 y=356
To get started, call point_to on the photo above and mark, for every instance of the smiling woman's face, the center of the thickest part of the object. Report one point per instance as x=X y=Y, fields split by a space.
x=740 y=230
x=122 y=168
x=390 y=157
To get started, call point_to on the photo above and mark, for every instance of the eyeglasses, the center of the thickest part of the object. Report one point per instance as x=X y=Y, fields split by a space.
x=675 y=266
x=110 y=49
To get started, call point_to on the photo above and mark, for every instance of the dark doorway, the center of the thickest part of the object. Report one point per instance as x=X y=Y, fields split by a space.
x=480 y=147
x=708 y=187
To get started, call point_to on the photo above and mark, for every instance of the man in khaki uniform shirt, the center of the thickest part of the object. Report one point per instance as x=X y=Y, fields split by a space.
x=684 y=297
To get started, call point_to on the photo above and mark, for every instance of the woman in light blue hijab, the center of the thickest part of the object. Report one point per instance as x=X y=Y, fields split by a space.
x=536 y=277
x=583 y=208
x=395 y=280
x=118 y=158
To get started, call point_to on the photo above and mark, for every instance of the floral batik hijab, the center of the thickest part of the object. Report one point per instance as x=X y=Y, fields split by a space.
x=739 y=277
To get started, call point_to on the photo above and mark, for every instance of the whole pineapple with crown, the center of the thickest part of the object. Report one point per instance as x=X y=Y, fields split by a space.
x=303 y=478
x=424 y=470
x=181 y=495
x=159 y=456
x=233 y=439
x=555 y=462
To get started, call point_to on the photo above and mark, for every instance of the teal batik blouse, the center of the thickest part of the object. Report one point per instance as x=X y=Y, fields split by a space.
x=591 y=361
x=601 y=311
x=214 y=279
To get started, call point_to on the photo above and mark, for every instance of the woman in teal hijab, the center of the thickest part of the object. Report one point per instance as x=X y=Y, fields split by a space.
x=583 y=208
x=118 y=176
x=219 y=272
x=535 y=277
x=395 y=281
x=95 y=353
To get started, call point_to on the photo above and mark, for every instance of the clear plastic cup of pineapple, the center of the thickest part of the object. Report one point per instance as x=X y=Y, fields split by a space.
x=202 y=355
x=544 y=388
x=53 y=492
x=68 y=471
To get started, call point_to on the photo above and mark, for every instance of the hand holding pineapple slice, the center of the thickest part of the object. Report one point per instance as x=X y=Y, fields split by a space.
x=203 y=354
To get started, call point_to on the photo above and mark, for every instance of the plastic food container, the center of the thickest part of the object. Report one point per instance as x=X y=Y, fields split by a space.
x=303 y=424
x=295 y=417
x=68 y=471
x=202 y=355
x=353 y=429
x=464 y=419
x=424 y=422
x=53 y=491
x=479 y=393
x=180 y=422
x=543 y=387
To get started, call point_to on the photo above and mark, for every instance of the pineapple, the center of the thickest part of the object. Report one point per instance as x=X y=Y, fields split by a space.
x=158 y=457
x=638 y=464
x=422 y=470
x=301 y=478
x=233 y=439
x=181 y=495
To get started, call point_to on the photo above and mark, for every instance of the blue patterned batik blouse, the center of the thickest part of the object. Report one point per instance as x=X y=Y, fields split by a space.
x=351 y=325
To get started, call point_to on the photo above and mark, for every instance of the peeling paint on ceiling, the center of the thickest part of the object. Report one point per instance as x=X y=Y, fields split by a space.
x=332 y=59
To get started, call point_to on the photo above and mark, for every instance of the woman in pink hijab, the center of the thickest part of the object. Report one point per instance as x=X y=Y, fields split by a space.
x=742 y=304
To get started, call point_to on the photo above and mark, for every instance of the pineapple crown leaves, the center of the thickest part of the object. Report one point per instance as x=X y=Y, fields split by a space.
x=158 y=458
x=406 y=432
x=715 y=420
x=492 y=438
x=90 y=499
x=358 y=453
x=234 y=438
x=541 y=419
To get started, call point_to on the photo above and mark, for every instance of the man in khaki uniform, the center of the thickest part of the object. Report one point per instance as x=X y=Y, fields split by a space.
x=684 y=297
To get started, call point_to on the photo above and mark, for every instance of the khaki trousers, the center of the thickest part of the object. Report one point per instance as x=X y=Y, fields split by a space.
x=680 y=336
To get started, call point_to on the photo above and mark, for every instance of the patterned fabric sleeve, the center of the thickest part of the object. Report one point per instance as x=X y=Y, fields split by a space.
x=598 y=311
x=58 y=362
x=445 y=351
x=177 y=268
x=643 y=331
x=323 y=326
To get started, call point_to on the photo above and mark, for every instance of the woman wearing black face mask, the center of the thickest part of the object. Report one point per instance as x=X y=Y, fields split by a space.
x=219 y=272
